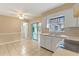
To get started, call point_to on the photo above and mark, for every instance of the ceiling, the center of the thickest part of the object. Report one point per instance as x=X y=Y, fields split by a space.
x=33 y=9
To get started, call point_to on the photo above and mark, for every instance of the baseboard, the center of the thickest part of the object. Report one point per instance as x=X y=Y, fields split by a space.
x=10 y=33
x=9 y=42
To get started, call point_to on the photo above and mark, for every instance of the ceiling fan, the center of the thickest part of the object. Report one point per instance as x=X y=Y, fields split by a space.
x=20 y=14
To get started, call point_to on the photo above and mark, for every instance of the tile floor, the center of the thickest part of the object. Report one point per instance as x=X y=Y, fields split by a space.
x=31 y=48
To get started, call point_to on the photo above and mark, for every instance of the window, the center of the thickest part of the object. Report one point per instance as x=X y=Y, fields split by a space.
x=56 y=24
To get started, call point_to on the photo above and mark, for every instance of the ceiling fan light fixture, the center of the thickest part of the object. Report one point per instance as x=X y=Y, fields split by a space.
x=21 y=17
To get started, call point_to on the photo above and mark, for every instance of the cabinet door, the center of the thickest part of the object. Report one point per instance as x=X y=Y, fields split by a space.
x=45 y=42
x=42 y=41
x=48 y=42
x=55 y=42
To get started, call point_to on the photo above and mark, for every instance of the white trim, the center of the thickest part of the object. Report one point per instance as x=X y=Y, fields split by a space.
x=10 y=33
x=9 y=42
x=3 y=43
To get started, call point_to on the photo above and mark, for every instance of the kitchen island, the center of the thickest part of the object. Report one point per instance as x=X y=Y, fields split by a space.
x=50 y=41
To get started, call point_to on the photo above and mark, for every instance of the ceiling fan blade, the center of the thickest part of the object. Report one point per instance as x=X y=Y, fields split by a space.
x=28 y=14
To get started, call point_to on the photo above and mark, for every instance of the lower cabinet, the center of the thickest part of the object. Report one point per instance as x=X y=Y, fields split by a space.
x=49 y=42
x=42 y=41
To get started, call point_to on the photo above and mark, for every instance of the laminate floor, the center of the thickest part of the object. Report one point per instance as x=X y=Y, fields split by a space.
x=31 y=48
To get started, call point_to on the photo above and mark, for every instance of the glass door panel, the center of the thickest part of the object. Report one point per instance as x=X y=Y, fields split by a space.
x=35 y=31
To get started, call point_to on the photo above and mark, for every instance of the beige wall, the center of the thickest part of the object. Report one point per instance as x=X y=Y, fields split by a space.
x=58 y=9
x=9 y=24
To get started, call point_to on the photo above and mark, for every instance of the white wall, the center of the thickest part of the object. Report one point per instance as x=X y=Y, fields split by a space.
x=70 y=21
x=44 y=22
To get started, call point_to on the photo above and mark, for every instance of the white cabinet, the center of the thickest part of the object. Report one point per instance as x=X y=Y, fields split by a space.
x=42 y=41
x=49 y=42
x=55 y=42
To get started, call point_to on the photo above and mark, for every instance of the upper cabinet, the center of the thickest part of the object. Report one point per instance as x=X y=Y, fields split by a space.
x=76 y=10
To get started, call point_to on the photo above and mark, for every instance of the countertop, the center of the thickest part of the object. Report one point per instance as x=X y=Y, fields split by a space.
x=62 y=35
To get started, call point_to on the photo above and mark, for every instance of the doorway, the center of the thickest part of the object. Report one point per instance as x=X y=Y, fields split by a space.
x=35 y=31
x=24 y=30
